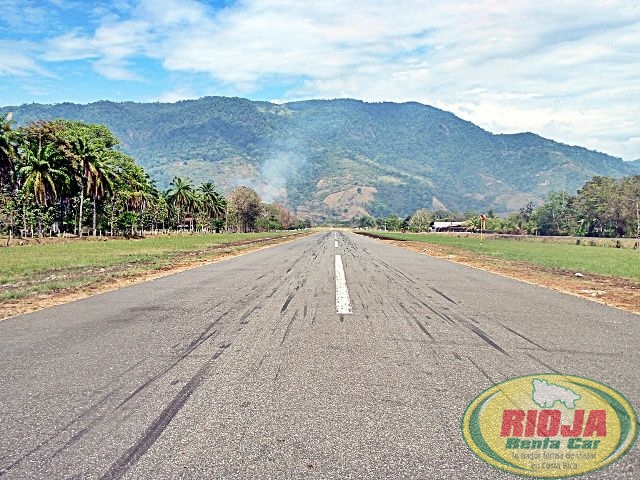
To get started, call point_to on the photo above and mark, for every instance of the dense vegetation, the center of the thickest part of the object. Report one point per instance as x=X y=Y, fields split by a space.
x=66 y=177
x=603 y=207
x=300 y=153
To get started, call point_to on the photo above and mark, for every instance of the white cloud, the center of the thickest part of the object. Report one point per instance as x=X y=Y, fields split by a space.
x=16 y=59
x=566 y=70
x=176 y=95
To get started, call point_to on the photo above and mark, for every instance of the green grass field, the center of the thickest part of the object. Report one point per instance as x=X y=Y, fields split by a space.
x=32 y=269
x=616 y=262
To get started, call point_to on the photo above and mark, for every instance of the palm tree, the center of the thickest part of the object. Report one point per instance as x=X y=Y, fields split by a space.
x=88 y=155
x=102 y=181
x=213 y=203
x=39 y=175
x=8 y=183
x=139 y=197
x=8 y=151
x=181 y=195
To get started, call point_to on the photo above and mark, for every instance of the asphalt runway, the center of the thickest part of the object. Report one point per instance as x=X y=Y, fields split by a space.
x=266 y=366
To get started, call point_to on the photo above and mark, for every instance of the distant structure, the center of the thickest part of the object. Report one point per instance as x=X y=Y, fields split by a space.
x=448 y=226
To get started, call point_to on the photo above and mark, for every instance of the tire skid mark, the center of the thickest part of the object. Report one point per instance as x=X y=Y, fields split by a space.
x=542 y=363
x=403 y=275
x=406 y=310
x=443 y=316
x=482 y=371
x=423 y=328
x=288 y=329
x=277 y=375
x=77 y=436
x=203 y=337
x=213 y=307
x=524 y=338
x=287 y=302
x=153 y=431
x=244 y=319
x=443 y=295
x=85 y=413
x=483 y=335
x=392 y=280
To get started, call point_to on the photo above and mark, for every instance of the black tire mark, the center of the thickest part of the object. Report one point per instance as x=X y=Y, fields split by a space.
x=287 y=302
x=443 y=316
x=153 y=432
x=275 y=378
x=481 y=370
x=203 y=337
x=288 y=329
x=423 y=328
x=485 y=337
x=443 y=295
x=77 y=436
x=524 y=338
x=245 y=316
x=89 y=410
x=551 y=369
x=402 y=274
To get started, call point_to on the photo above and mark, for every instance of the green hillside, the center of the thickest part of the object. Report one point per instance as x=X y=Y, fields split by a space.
x=341 y=158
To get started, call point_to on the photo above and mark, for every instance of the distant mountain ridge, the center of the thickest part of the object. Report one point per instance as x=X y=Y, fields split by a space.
x=341 y=158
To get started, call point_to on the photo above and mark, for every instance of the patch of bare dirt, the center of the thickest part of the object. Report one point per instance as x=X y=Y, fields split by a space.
x=613 y=291
x=352 y=201
x=11 y=308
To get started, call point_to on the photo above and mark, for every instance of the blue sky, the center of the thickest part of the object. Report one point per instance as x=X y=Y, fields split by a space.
x=567 y=70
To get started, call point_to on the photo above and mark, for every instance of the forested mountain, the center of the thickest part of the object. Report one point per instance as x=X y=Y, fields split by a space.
x=340 y=158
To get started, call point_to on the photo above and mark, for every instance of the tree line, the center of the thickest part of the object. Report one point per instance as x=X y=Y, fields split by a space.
x=66 y=177
x=603 y=207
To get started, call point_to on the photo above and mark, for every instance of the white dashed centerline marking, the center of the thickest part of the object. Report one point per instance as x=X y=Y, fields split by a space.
x=343 y=303
x=336 y=244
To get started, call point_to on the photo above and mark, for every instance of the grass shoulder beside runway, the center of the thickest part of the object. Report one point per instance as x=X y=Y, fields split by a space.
x=35 y=275
x=618 y=262
x=607 y=275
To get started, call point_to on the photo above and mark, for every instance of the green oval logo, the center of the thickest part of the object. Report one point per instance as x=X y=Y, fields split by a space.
x=549 y=426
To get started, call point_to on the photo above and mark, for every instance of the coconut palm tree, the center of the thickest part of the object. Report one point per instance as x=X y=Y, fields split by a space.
x=8 y=173
x=38 y=175
x=102 y=181
x=87 y=154
x=7 y=152
x=181 y=196
x=213 y=203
